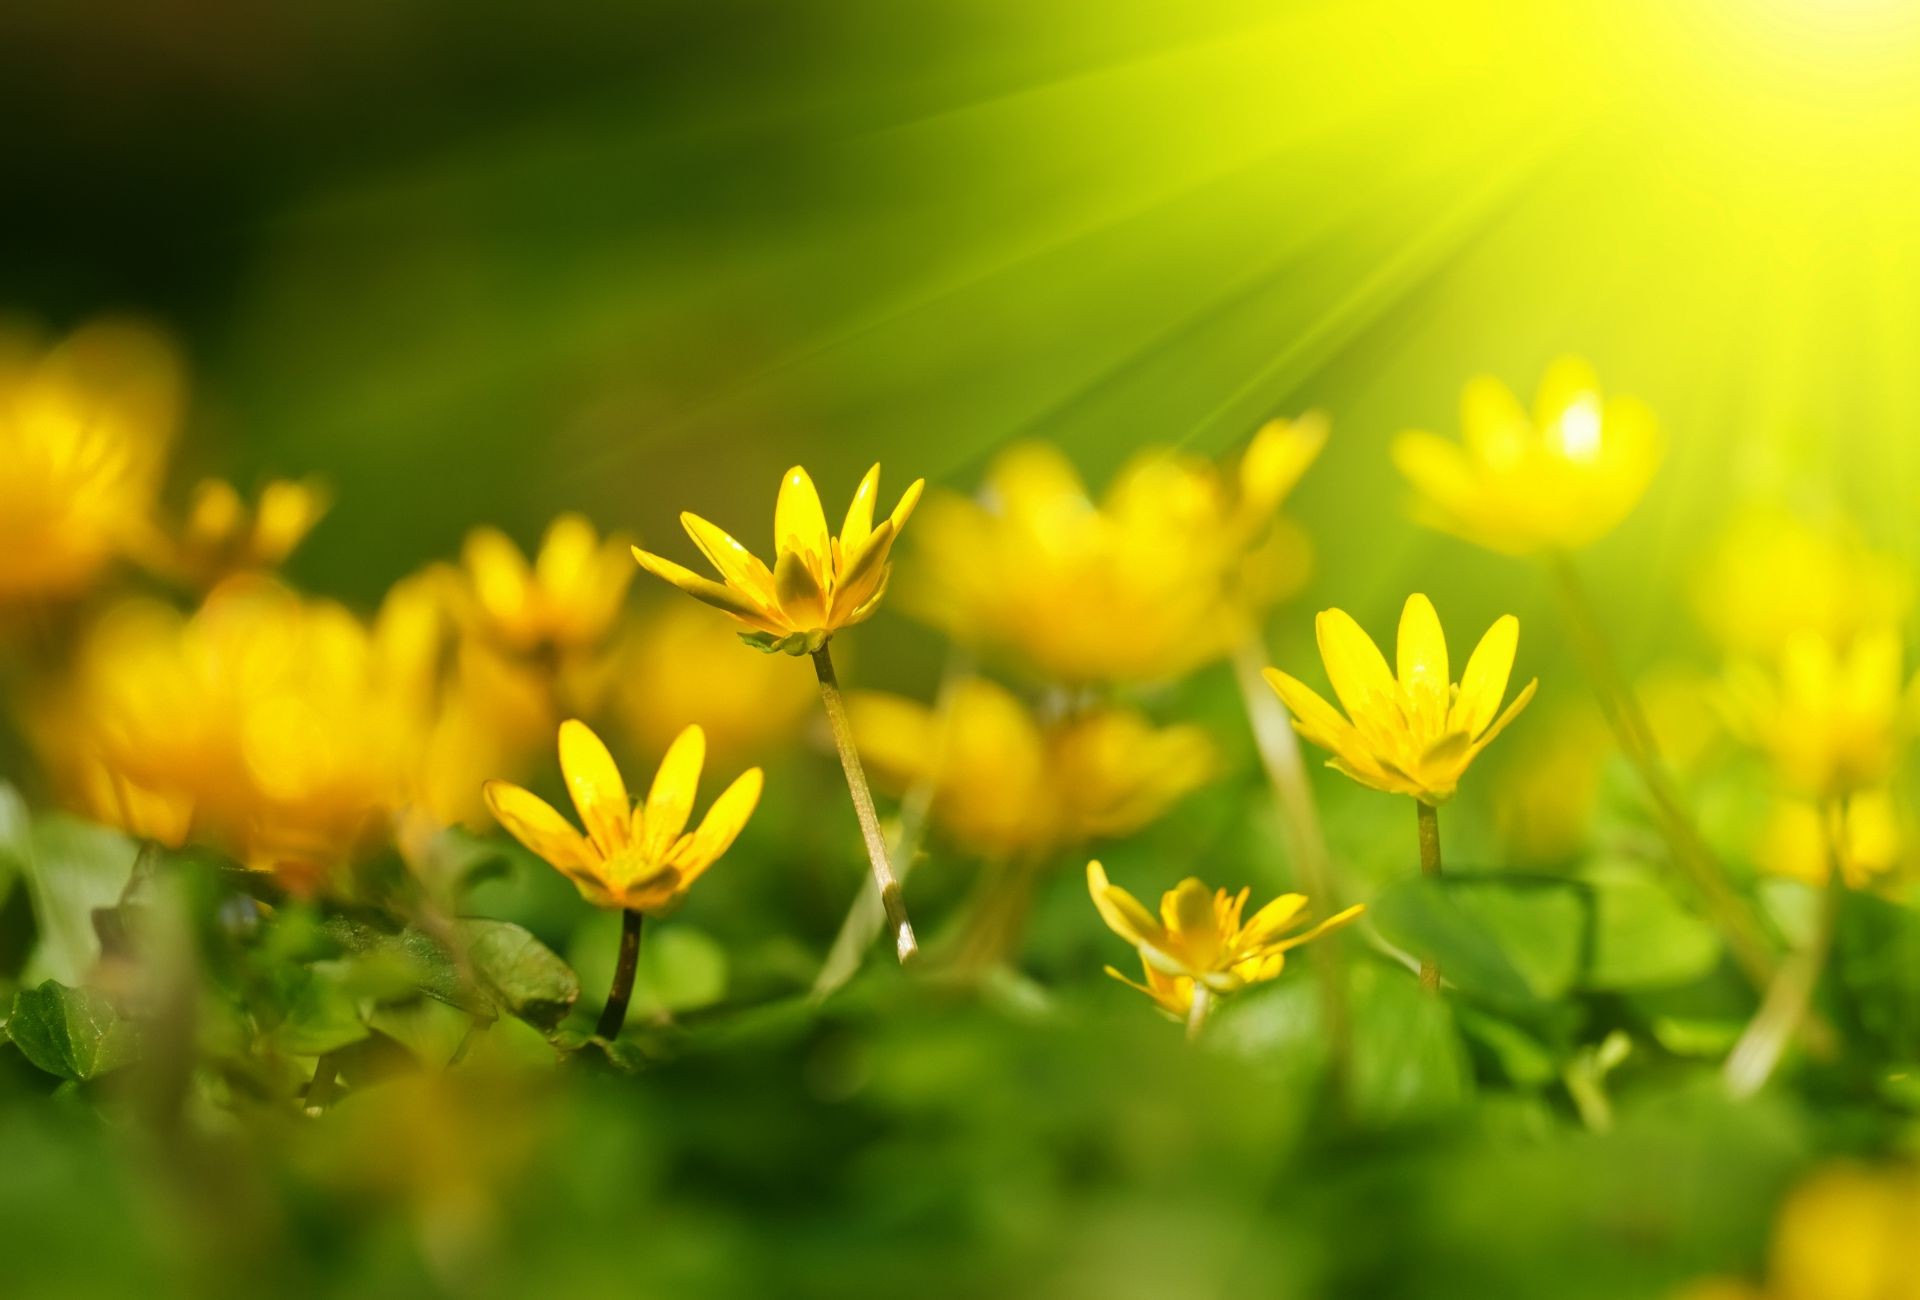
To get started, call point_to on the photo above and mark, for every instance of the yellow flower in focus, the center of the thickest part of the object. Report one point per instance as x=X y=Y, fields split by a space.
x=565 y=600
x=1198 y=940
x=819 y=583
x=1797 y=843
x=1832 y=721
x=1006 y=785
x=637 y=858
x=222 y=535
x=680 y=664
x=84 y=430
x=1157 y=578
x=1415 y=734
x=1563 y=476
x=1774 y=574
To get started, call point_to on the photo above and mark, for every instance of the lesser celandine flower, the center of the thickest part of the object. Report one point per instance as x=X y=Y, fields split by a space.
x=678 y=663
x=1158 y=577
x=1832 y=720
x=1846 y=1233
x=1559 y=477
x=84 y=430
x=1198 y=947
x=223 y=535
x=640 y=859
x=1415 y=733
x=565 y=600
x=1774 y=574
x=1798 y=840
x=818 y=585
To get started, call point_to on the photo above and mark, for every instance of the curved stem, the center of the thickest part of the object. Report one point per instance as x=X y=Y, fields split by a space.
x=615 y=1014
x=1429 y=867
x=1691 y=854
x=905 y=946
x=1197 y=1013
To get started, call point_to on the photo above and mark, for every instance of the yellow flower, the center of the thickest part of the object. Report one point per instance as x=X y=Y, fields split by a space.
x=680 y=663
x=566 y=600
x=819 y=583
x=1774 y=574
x=84 y=429
x=222 y=535
x=1154 y=580
x=1562 y=478
x=1198 y=939
x=1796 y=841
x=1832 y=721
x=1846 y=1233
x=1416 y=734
x=639 y=858
x=1004 y=784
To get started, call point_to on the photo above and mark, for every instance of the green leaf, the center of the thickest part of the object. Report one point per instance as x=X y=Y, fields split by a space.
x=74 y=1033
x=71 y=868
x=1407 y=1056
x=321 y=1013
x=434 y=970
x=1642 y=936
x=523 y=975
x=1507 y=938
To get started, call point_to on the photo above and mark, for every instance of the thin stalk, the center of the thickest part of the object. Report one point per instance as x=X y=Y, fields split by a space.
x=615 y=1014
x=1429 y=867
x=1197 y=1013
x=1279 y=747
x=1784 y=1009
x=905 y=946
x=320 y=1088
x=1691 y=854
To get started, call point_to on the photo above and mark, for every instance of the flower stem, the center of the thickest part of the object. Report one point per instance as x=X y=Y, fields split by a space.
x=1691 y=855
x=1789 y=998
x=1429 y=867
x=1279 y=748
x=1197 y=1013
x=615 y=1014
x=905 y=946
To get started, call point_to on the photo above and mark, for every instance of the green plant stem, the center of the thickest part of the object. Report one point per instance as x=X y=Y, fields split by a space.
x=1198 y=1012
x=1279 y=748
x=905 y=946
x=1430 y=868
x=1691 y=854
x=615 y=1014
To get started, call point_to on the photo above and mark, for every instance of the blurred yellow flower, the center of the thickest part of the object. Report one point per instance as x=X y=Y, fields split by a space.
x=1846 y=1233
x=1796 y=841
x=1774 y=574
x=84 y=430
x=1198 y=944
x=1005 y=784
x=1564 y=477
x=637 y=858
x=679 y=664
x=1417 y=734
x=1833 y=721
x=1549 y=783
x=819 y=583
x=1159 y=577
x=565 y=600
x=222 y=535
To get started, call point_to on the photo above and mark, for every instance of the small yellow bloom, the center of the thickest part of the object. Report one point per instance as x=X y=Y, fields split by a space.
x=1199 y=940
x=1774 y=574
x=84 y=429
x=1797 y=842
x=1564 y=477
x=1006 y=784
x=1157 y=578
x=223 y=536
x=680 y=663
x=1832 y=721
x=1415 y=734
x=565 y=600
x=639 y=858
x=819 y=583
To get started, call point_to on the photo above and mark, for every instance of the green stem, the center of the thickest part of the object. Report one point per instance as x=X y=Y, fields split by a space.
x=905 y=946
x=1430 y=868
x=614 y=1017
x=1691 y=854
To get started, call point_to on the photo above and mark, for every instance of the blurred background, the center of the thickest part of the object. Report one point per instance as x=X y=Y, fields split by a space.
x=481 y=262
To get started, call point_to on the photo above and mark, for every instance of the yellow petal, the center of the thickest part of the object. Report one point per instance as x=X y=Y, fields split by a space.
x=903 y=508
x=1354 y=663
x=731 y=599
x=1485 y=680
x=654 y=893
x=1276 y=458
x=865 y=567
x=599 y=795
x=1569 y=382
x=799 y=524
x=531 y=820
x=499 y=572
x=1123 y=913
x=1333 y=922
x=797 y=587
x=1520 y=702
x=1422 y=649
x=1493 y=424
x=1187 y=910
x=720 y=827
x=738 y=566
x=566 y=553
x=859 y=520
x=1272 y=919
x=670 y=800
